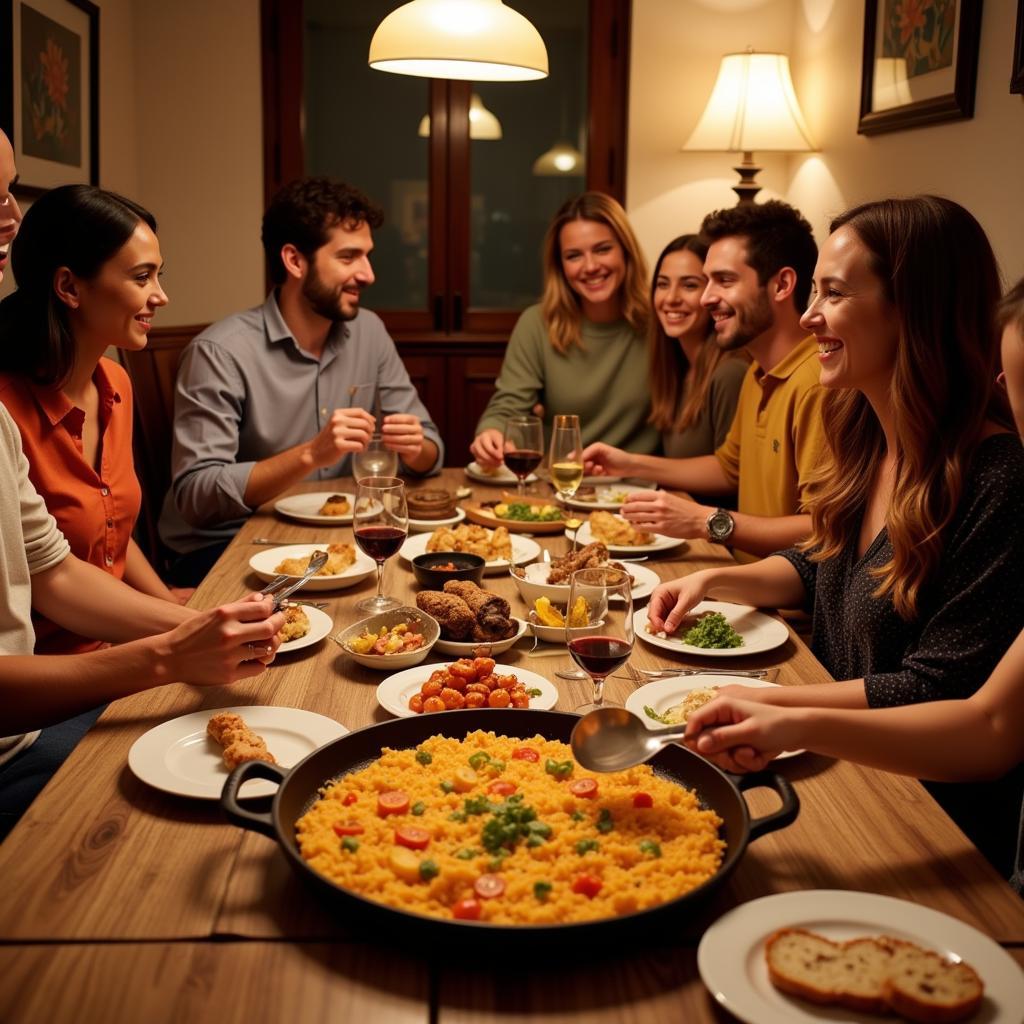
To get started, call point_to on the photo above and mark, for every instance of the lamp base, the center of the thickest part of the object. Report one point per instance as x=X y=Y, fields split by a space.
x=747 y=187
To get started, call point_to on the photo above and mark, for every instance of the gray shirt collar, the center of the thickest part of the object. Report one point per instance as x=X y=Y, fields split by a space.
x=278 y=331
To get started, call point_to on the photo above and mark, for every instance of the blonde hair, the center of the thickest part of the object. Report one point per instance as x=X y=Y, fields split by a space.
x=560 y=305
x=673 y=408
x=943 y=283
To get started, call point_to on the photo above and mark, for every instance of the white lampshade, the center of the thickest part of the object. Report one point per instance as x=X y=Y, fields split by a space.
x=482 y=123
x=752 y=107
x=474 y=40
x=561 y=160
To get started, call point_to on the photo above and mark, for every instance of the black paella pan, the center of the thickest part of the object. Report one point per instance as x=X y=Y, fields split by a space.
x=299 y=789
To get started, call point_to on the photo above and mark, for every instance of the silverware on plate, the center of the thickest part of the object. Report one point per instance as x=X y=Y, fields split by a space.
x=640 y=675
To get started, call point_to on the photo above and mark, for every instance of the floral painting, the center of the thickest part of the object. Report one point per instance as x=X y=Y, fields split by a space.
x=51 y=96
x=922 y=32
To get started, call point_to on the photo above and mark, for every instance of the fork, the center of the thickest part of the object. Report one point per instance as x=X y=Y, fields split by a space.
x=643 y=675
x=316 y=562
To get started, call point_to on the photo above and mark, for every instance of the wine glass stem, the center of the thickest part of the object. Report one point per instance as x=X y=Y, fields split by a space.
x=380 y=579
x=598 y=690
x=521 y=486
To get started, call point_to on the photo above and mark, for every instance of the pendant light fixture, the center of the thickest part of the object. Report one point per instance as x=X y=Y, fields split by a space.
x=562 y=160
x=483 y=124
x=472 y=40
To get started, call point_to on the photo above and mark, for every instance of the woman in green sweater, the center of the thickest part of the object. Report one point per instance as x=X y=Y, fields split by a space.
x=582 y=350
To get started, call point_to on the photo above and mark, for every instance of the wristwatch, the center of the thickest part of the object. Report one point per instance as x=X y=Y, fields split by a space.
x=720 y=525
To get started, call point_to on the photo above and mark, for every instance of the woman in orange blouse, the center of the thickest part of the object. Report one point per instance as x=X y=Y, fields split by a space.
x=87 y=265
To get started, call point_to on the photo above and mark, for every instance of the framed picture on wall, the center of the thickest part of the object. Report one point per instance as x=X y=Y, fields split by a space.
x=49 y=96
x=1017 y=73
x=920 y=63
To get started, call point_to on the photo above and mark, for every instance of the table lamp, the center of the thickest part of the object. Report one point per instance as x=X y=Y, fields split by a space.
x=752 y=107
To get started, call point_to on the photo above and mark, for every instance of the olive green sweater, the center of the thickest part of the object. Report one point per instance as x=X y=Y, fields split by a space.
x=604 y=382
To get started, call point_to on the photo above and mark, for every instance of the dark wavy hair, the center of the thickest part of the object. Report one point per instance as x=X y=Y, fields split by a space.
x=304 y=211
x=776 y=235
x=75 y=226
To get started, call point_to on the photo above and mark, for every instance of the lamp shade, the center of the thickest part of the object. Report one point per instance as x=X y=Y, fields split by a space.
x=562 y=160
x=752 y=107
x=482 y=123
x=474 y=40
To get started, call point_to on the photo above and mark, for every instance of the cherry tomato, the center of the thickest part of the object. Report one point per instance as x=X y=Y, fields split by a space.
x=587 y=885
x=412 y=837
x=489 y=886
x=475 y=700
x=502 y=788
x=416 y=703
x=453 y=700
x=508 y=682
x=525 y=754
x=490 y=681
x=520 y=699
x=463 y=667
x=499 y=699
x=585 y=789
x=392 y=802
x=437 y=676
x=432 y=687
x=433 y=704
x=451 y=682
x=643 y=800
x=466 y=910
x=483 y=666
x=348 y=830
x=350 y=799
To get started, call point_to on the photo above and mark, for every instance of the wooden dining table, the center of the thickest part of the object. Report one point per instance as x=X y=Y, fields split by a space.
x=121 y=902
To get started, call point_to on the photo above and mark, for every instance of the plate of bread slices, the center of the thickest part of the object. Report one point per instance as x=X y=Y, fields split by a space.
x=836 y=956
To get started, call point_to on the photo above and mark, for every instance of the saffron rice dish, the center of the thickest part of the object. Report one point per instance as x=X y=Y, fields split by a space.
x=508 y=831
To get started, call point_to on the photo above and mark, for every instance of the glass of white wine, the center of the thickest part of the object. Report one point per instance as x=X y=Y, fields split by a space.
x=374 y=460
x=566 y=456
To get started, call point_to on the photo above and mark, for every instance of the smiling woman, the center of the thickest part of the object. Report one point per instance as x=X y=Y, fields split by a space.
x=87 y=264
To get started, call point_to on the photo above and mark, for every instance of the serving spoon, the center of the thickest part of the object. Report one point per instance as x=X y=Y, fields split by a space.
x=611 y=739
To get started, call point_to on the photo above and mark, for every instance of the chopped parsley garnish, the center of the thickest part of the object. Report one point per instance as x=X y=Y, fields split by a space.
x=604 y=821
x=533 y=692
x=476 y=805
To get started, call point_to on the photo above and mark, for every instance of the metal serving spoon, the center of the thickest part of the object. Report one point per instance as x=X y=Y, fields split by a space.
x=610 y=739
x=316 y=563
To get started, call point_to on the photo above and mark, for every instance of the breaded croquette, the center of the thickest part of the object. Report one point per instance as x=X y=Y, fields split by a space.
x=452 y=613
x=239 y=741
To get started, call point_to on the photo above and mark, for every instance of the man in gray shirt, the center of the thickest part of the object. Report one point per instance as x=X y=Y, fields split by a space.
x=281 y=393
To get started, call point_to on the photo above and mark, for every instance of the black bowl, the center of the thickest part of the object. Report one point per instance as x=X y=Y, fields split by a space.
x=469 y=567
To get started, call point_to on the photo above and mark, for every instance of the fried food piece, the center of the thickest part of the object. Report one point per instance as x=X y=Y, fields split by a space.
x=477 y=540
x=492 y=628
x=335 y=505
x=591 y=556
x=451 y=612
x=480 y=601
x=339 y=558
x=240 y=743
x=296 y=623
x=615 y=531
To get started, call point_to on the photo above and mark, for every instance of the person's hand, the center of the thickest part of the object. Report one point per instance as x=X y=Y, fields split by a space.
x=402 y=433
x=740 y=735
x=348 y=430
x=219 y=646
x=603 y=460
x=488 y=448
x=666 y=513
x=671 y=602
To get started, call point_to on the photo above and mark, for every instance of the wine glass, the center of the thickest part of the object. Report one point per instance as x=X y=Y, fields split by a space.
x=524 y=447
x=566 y=456
x=381 y=524
x=374 y=460
x=600 y=652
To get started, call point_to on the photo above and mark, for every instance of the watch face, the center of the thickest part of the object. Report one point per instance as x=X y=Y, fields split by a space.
x=720 y=525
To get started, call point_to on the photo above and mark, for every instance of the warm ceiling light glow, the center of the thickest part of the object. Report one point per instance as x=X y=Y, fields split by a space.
x=561 y=160
x=474 y=40
x=482 y=123
x=752 y=106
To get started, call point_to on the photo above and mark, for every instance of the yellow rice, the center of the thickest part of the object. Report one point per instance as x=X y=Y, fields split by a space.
x=687 y=835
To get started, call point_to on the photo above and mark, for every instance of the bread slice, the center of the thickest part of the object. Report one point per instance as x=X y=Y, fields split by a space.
x=812 y=967
x=923 y=986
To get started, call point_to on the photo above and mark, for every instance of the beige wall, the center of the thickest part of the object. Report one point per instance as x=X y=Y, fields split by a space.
x=676 y=46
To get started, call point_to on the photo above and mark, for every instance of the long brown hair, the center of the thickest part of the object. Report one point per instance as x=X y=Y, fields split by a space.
x=560 y=304
x=673 y=408
x=941 y=277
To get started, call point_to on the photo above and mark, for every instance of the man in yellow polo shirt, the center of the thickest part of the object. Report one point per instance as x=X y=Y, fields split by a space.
x=759 y=266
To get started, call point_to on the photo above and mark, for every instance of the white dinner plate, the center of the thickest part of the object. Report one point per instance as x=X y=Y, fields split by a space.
x=460 y=649
x=535 y=584
x=731 y=962
x=524 y=550
x=394 y=692
x=305 y=508
x=610 y=497
x=661 y=543
x=429 y=525
x=502 y=476
x=264 y=564
x=760 y=632
x=179 y=757
x=320 y=625
x=662 y=694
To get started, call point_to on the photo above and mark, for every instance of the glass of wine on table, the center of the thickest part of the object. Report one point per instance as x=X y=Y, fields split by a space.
x=566 y=457
x=524 y=447
x=380 y=521
x=608 y=597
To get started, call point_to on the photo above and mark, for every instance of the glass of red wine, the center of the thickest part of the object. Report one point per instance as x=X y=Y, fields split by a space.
x=607 y=642
x=524 y=447
x=380 y=521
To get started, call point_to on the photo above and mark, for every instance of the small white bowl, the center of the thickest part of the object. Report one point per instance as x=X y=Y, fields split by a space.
x=556 y=634
x=462 y=649
x=533 y=584
x=391 y=662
